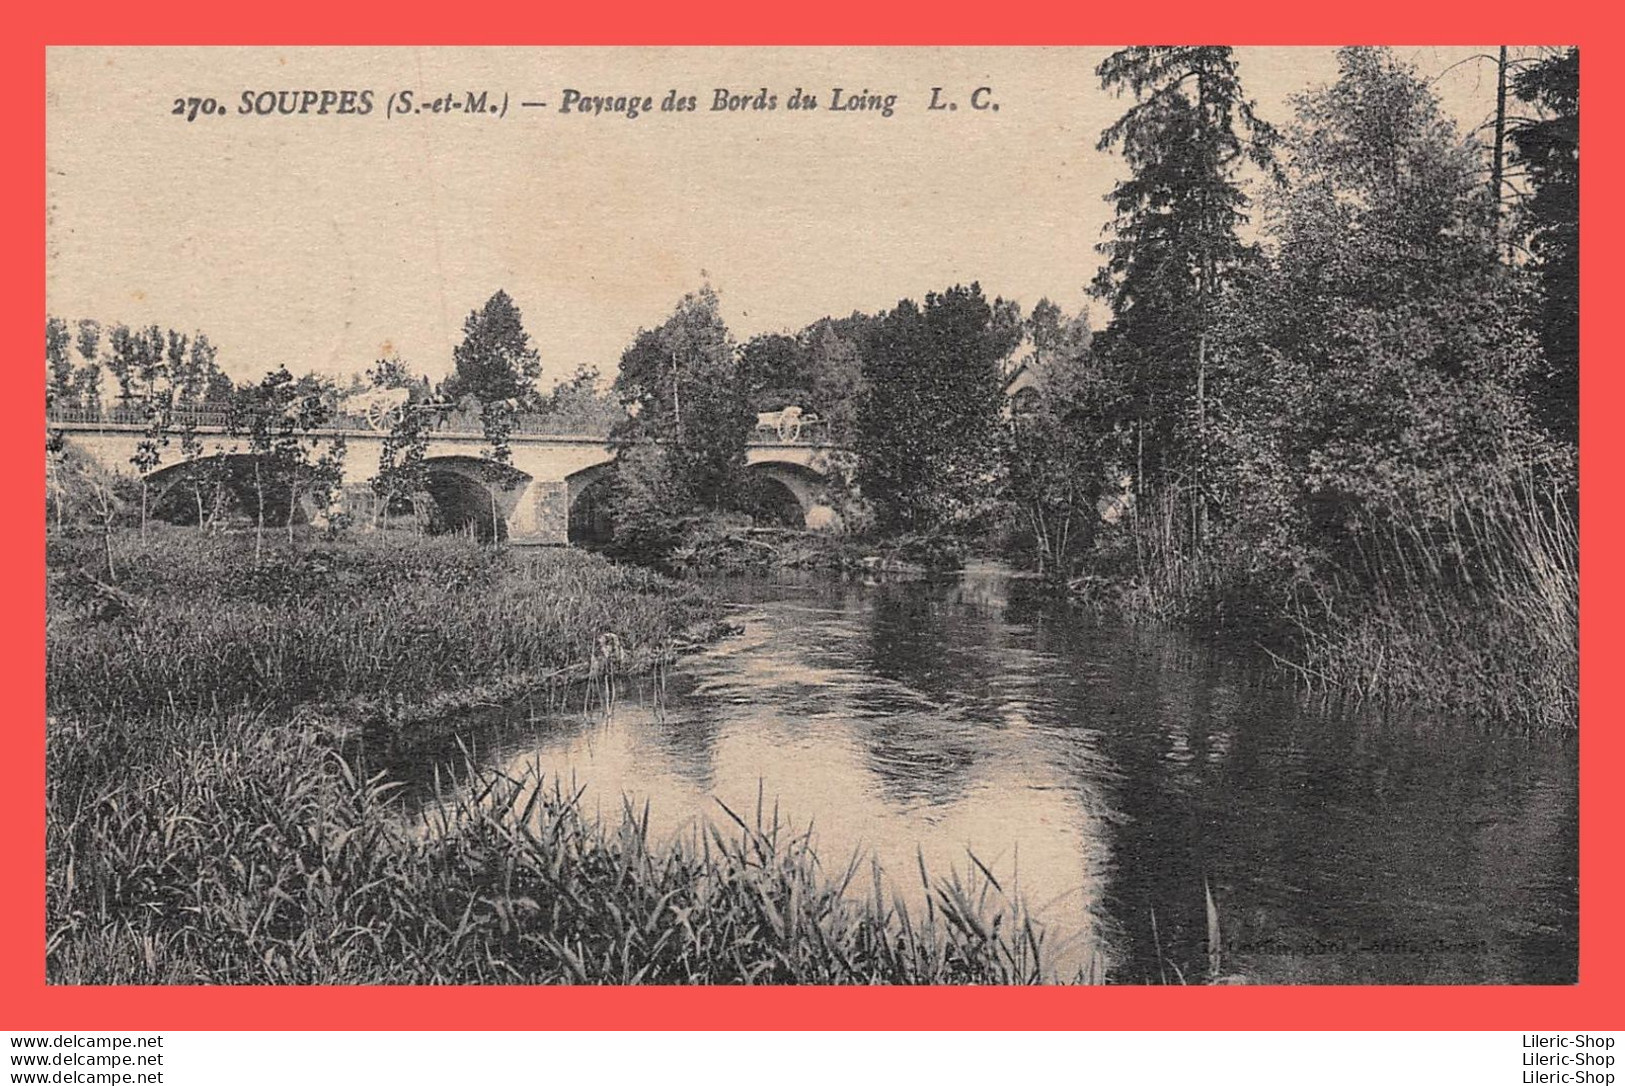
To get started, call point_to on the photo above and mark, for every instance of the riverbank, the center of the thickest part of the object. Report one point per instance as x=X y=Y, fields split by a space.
x=226 y=850
x=205 y=823
x=1469 y=610
x=383 y=631
x=730 y=544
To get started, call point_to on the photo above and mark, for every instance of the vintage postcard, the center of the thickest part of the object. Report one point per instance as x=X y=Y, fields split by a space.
x=812 y=516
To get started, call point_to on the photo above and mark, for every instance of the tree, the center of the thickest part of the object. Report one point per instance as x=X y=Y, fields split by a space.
x=577 y=405
x=773 y=368
x=679 y=384
x=393 y=372
x=89 y=340
x=88 y=377
x=197 y=477
x=55 y=483
x=157 y=408
x=1062 y=442
x=495 y=363
x=1055 y=336
x=124 y=360
x=820 y=369
x=646 y=502
x=217 y=387
x=1174 y=235
x=836 y=385
x=1549 y=150
x=929 y=430
x=280 y=418
x=496 y=366
x=1061 y=448
x=187 y=385
x=1374 y=161
x=58 y=361
x=1372 y=374
x=150 y=357
x=402 y=473
x=193 y=370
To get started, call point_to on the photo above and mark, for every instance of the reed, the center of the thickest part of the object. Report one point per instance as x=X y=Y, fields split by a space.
x=1469 y=608
x=1475 y=613
x=380 y=628
x=187 y=848
x=1170 y=572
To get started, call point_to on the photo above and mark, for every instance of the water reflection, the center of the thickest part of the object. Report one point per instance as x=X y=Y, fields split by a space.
x=1115 y=776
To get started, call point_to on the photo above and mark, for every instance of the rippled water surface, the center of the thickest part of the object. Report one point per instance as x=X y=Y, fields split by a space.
x=1109 y=774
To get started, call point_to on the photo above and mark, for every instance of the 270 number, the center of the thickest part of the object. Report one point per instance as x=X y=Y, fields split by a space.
x=191 y=107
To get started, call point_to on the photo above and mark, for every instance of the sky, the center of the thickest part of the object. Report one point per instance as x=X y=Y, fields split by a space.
x=325 y=242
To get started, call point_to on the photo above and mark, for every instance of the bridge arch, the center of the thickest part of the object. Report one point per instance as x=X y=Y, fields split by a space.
x=803 y=485
x=788 y=491
x=587 y=494
x=224 y=484
x=174 y=491
x=473 y=493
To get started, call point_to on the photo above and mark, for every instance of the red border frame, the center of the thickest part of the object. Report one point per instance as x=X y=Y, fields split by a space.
x=26 y=1002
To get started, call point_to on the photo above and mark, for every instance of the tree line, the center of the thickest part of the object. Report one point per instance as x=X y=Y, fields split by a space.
x=1319 y=330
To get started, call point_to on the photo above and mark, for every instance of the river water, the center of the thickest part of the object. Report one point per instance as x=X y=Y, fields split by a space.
x=1112 y=777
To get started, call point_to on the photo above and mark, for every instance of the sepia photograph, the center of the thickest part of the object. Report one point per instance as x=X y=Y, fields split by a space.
x=812 y=515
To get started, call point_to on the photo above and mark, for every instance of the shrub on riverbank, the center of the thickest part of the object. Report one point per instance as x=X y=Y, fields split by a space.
x=198 y=848
x=735 y=544
x=380 y=625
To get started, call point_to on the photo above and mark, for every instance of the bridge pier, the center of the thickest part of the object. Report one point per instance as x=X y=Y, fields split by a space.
x=360 y=502
x=540 y=516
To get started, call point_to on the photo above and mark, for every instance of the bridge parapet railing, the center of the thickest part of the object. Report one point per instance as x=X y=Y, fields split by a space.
x=121 y=415
x=454 y=423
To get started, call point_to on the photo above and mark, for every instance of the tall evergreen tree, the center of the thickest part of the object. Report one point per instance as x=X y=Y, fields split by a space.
x=498 y=367
x=1174 y=234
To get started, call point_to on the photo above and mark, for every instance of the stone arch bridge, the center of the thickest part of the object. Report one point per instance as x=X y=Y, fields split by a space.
x=551 y=472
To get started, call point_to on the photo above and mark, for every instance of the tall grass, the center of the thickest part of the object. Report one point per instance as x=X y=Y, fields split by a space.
x=377 y=627
x=1476 y=612
x=230 y=852
x=1471 y=610
x=1170 y=573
